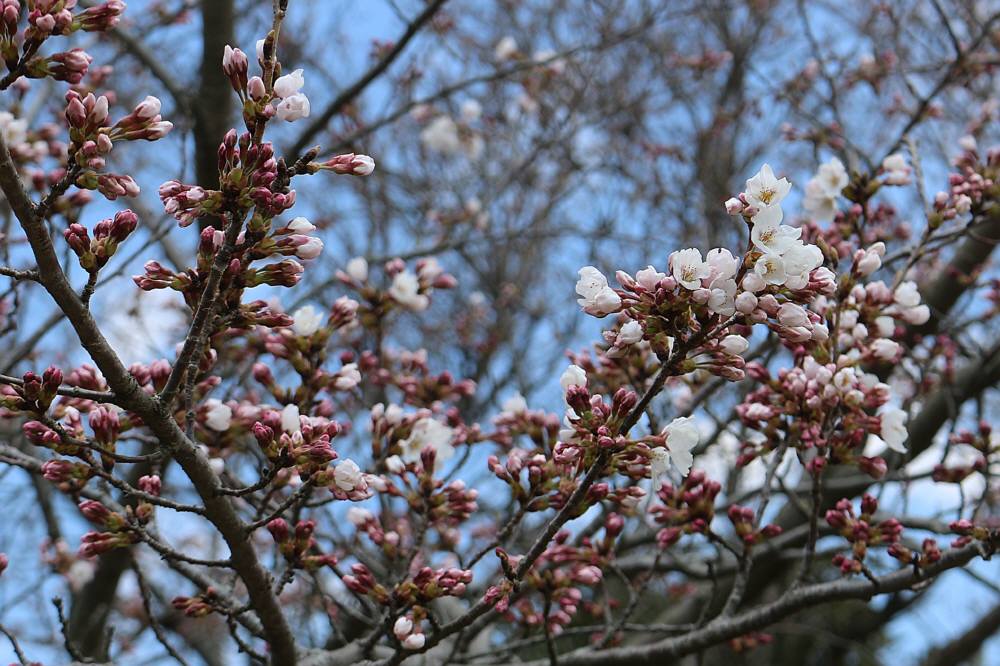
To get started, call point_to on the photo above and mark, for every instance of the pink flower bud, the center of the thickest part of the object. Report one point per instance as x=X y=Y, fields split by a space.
x=256 y=88
x=403 y=627
x=150 y=484
x=414 y=642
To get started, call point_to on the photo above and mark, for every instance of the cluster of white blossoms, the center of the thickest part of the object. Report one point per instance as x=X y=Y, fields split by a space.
x=713 y=279
x=779 y=259
x=785 y=259
x=823 y=189
x=294 y=104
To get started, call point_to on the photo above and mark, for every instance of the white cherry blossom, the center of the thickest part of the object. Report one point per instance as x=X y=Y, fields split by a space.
x=688 y=268
x=596 y=297
x=763 y=189
x=218 y=416
x=307 y=320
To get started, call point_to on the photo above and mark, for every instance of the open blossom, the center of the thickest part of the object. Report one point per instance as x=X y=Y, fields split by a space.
x=515 y=404
x=347 y=378
x=292 y=108
x=770 y=268
x=405 y=290
x=659 y=463
x=505 y=49
x=357 y=269
x=289 y=84
x=649 y=277
x=347 y=475
x=800 y=260
x=629 y=334
x=721 y=263
x=574 y=375
x=764 y=190
x=688 y=268
x=773 y=237
x=597 y=298
x=218 y=416
x=822 y=191
x=290 y=421
x=307 y=320
x=428 y=432
x=897 y=171
x=893 y=428
x=441 y=135
x=722 y=297
x=681 y=436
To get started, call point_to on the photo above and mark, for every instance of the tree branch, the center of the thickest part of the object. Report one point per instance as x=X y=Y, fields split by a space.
x=350 y=93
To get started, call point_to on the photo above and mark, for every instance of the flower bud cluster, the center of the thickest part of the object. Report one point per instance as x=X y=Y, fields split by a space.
x=862 y=531
x=92 y=139
x=969 y=531
x=69 y=477
x=409 y=372
x=929 y=553
x=198 y=606
x=742 y=519
x=298 y=546
x=982 y=440
x=117 y=529
x=811 y=391
x=35 y=393
x=304 y=445
x=687 y=509
x=772 y=283
x=95 y=252
x=558 y=581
